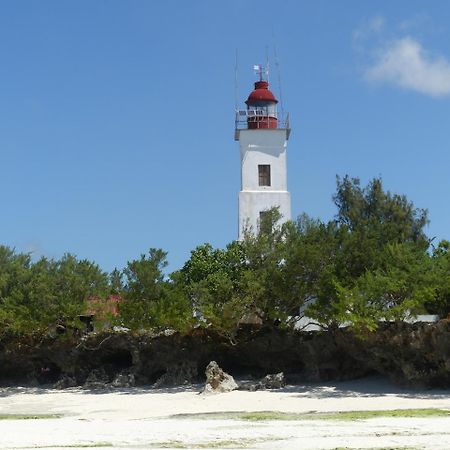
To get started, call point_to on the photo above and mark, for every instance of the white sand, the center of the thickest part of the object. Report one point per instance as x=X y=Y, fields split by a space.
x=140 y=418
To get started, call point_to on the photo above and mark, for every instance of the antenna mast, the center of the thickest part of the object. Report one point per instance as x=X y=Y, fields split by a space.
x=277 y=65
x=236 y=93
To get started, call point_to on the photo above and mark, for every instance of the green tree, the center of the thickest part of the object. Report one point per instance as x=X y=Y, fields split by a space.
x=441 y=271
x=212 y=279
x=116 y=281
x=373 y=209
x=380 y=251
x=75 y=281
x=394 y=291
x=372 y=218
x=266 y=286
x=14 y=274
x=151 y=301
x=39 y=295
x=310 y=271
x=144 y=285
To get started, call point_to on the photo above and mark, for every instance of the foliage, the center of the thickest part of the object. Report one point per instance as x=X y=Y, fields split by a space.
x=45 y=293
x=369 y=219
x=395 y=290
x=150 y=301
x=213 y=281
x=380 y=269
x=441 y=281
x=389 y=217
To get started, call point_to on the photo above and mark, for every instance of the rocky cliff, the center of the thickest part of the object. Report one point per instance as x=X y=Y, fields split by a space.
x=411 y=354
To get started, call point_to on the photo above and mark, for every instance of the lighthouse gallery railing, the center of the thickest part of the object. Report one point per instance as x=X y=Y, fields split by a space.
x=242 y=116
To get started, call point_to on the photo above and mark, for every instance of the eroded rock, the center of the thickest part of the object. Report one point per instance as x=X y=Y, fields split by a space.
x=410 y=354
x=97 y=379
x=271 y=381
x=218 y=381
x=66 y=381
x=123 y=380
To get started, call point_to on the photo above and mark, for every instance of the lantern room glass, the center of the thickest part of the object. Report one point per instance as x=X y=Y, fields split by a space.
x=263 y=109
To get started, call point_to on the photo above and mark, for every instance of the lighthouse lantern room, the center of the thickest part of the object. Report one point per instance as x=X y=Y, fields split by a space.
x=262 y=133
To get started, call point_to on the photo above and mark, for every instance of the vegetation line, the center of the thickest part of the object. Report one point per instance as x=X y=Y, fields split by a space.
x=341 y=415
x=29 y=416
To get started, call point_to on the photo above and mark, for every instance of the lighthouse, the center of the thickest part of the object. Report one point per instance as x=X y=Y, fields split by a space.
x=262 y=133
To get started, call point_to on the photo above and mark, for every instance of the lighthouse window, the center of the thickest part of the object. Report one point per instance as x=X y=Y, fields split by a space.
x=265 y=222
x=264 y=174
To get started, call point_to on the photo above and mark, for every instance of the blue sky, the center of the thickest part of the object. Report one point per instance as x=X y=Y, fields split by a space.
x=116 y=117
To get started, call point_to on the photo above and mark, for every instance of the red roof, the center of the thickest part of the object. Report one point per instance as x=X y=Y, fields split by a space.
x=261 y=94
x=108 y=305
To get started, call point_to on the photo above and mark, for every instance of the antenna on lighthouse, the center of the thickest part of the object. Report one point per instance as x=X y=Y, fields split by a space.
x=236 y=90
x=277 y=65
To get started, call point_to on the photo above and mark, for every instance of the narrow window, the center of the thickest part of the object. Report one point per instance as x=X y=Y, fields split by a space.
x=265 y=222
x=264 y=174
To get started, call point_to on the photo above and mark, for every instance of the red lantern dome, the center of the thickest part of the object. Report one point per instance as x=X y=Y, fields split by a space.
x=261 y=107
x=261 y=94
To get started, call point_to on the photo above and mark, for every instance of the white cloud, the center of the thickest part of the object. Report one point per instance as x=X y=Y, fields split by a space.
x=405 y=63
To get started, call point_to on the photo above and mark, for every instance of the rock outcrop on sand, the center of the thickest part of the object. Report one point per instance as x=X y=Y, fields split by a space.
x=273 y=381
x=218 y=381
x=270 y=381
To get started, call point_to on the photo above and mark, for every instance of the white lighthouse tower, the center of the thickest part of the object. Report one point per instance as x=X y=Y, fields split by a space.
x=262 y=133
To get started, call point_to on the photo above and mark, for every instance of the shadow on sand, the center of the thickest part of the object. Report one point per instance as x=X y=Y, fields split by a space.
x=374 y=386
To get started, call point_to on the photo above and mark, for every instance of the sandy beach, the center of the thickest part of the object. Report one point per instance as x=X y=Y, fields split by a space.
x=148 y=418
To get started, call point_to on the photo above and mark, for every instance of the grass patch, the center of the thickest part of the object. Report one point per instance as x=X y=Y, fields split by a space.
x=377 y=448
x=92 y=445
x=363 y=415
x=230 y=443
x=342 y=415
x=29 y=416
